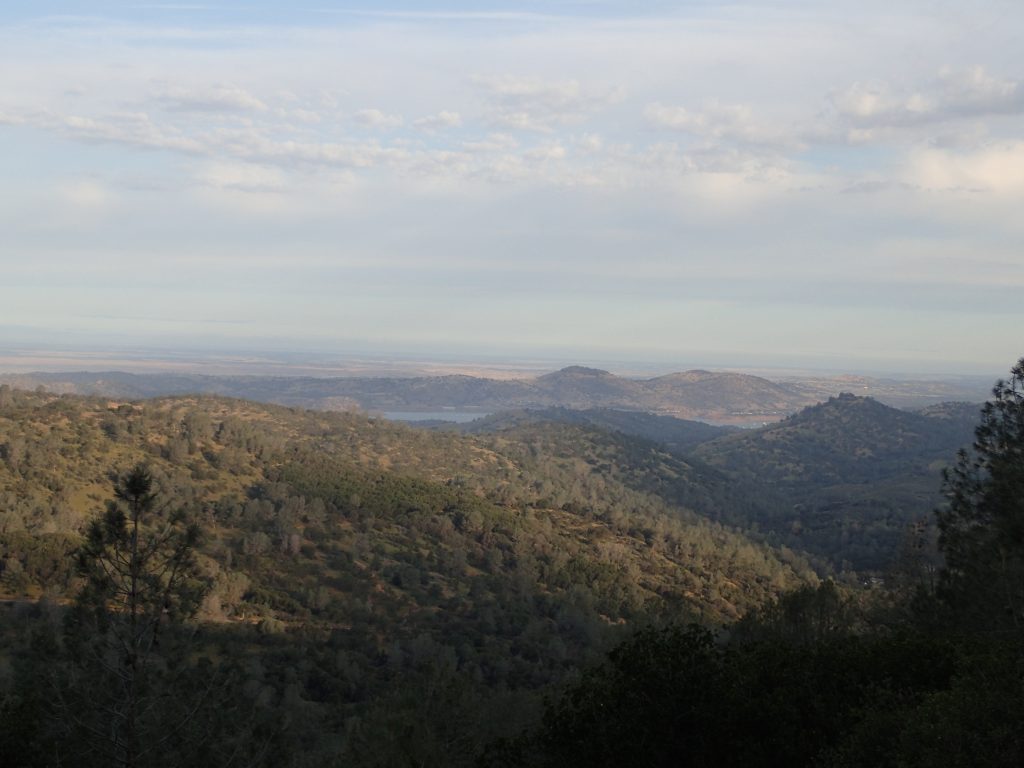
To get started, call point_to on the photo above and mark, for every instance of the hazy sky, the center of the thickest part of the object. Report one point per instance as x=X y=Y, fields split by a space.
x=795 y=180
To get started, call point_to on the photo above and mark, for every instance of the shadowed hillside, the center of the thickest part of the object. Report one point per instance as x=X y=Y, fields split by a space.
x=676 y=435
x=846 y=477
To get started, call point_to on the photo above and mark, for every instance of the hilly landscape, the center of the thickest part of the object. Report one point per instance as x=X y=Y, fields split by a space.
x=673 y=434
x=846 y=481
x=848 y=477
x=58 y=454
x=714 y=397
x=515 y=556
x=511 y=384
x=455 y=577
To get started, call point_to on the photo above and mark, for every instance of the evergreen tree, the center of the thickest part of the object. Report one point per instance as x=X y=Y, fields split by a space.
x=982 y=530
x=120 y=695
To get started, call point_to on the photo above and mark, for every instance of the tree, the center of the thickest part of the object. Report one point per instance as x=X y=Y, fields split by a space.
x=982 y=530
x=117 y=693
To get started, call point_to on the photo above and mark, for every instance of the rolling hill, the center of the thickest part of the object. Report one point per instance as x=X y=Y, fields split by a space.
x=678 y=436
x=318 y=512
x=715 y=397
x=846 y=477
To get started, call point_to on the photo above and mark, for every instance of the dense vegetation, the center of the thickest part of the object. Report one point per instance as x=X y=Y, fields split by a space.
x=369 y=594
x=679 y=436
x=355 y=561
x=846 y=478
x=812 y=679
x=850 y=481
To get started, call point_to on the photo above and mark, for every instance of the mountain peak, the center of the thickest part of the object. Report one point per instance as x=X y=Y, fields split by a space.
x=579 y=370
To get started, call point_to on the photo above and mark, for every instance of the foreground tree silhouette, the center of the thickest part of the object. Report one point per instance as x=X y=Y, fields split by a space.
x=982 y=531
x=119 y=697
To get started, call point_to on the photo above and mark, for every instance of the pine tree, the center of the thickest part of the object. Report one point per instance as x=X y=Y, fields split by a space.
x=119 y=693
x=982 y=530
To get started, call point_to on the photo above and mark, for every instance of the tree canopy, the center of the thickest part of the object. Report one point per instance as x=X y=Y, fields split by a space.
x=141 y=579
x=982 y=530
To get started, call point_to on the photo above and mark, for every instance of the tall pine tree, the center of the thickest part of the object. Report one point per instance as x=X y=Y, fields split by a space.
x=982 y=530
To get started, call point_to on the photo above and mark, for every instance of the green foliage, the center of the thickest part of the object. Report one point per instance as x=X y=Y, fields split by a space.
x=843 y=479
x=352 y=560
x=114 y=693
x=387 y=596
x=679 y=436
x=982 y=529
x=138 y=564
x=805 y=616
x=674 y=696
x=808 y=679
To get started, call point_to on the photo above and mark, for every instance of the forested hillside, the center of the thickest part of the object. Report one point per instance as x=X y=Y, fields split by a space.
x=676 y=435
x=378 y=594
x=847 y=478
x=850 y=481
x=513 y=558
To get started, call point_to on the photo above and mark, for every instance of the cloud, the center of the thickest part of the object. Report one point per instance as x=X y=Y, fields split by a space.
x=535 y=104
x=438 y=122
x=997 y=169
x=876 y=186
x=590 y=142
x=240 y=142
x=548 y=152
x=716 y=121
x=953 y=95
x=494 y=142
x=975 y=92
x=374 y=118
x=218 y=98
x=307 y=116
x=243 y=178
x=133 y=129
x=84 y=194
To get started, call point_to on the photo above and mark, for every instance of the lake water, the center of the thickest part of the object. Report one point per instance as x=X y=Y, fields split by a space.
x=459 y=417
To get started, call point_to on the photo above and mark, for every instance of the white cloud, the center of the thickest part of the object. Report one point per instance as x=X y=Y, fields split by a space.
x=374 y=118
x=307 y=116
x=590 y=142
x=242 y=177
x=84 y=194
x=954 y=95
x=132 y=129
x=494 y=142
x=997 y=169
x=217 y=98
x=974 y=92
x=703 y=144
x=440 y=121
x=536 y=104
x=548 y=152
x=717 y=121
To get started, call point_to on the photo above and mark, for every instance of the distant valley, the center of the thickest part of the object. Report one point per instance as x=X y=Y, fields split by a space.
x=714 y=397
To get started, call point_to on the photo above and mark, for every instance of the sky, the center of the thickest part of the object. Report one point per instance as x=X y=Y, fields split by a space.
x=784 y=182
